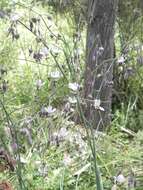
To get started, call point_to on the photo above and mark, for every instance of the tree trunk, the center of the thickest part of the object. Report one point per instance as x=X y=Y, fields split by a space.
x=99 y=61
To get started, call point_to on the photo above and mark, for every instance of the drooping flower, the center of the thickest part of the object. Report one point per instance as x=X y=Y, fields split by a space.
x=39 y=83
x=120 y=179
x=140 y=60
x=27 y=133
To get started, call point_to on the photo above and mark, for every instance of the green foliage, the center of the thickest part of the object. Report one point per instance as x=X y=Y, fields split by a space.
x=4 y=4
x=51 y=158
x=130 y=18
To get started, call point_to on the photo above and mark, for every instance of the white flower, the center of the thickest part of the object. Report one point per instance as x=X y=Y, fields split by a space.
x=14 y=17
x=73 y=86
x=48 y=110
x=120 y=179
x=55 y=75
x=101 y=48
x=22 y=160
x=72 y=100
x=121 y=60
x=67 y=107
x=97 y=106
x=44 y=51
x=97 y=103
x=55 y=49
x=99 y=75
x=37 y=162
x=101 y=108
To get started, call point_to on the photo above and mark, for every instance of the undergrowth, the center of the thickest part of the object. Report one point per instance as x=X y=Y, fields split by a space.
x=42 y=147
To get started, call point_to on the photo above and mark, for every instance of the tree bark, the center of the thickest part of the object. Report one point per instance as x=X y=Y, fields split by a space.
x=99 y=61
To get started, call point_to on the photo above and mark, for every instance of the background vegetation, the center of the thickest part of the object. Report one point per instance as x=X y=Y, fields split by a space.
x=42 y=62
